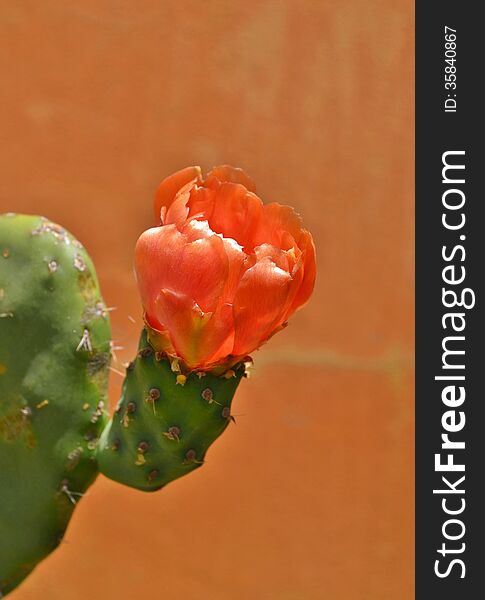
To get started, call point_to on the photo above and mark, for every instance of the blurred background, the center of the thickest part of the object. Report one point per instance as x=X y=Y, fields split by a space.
x=310 y=495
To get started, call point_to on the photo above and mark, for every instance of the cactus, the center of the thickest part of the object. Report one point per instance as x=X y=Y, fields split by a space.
x=164 y=421
x=54 y=359
x=210 y=296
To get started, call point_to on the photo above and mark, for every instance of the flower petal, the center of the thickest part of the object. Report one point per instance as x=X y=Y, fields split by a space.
x=275 y=254
x=259 y=305
x=178 y=211
x=309 y=271
x=236 y=214
x=169 y=187
x=279 y=220
x=192 y=262
x=199 y=338
x=232 y=175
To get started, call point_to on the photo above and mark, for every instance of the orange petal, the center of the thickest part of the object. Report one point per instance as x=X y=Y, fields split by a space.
x=169 y=187
x=201 y=203
x=226 y=173
x=236 y=266
x=195 y=335
x=277 y=255
x=192 y=262
x=259 y=305
x=237 y=214
x=309 y=271
x=178 y=211
x=280 y=219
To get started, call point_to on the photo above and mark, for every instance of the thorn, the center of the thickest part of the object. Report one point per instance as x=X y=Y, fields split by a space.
x=173 y=433
x=153 y=396
x=116 y=371
x=191 y=457
x=226 y=414
x=70 y=494
x=112 y=349
x=208 y=396
x=85 y=343
x=42 y=404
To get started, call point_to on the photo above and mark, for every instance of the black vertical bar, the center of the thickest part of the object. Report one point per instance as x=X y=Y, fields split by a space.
x=449 y=119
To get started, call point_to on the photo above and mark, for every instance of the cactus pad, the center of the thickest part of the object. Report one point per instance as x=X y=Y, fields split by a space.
x=164 y=422
x=54 y=359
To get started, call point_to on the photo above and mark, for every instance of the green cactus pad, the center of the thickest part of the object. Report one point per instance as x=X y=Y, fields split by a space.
x=54 y=359
x=161 y=430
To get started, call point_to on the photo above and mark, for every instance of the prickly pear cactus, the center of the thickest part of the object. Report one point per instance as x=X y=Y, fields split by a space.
x=54 y=359
x=164 y=421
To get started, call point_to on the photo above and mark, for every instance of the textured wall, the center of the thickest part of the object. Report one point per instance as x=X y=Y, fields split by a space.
x=310 y=495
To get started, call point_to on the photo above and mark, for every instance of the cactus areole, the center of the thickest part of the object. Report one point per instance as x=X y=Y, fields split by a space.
x=218 y=275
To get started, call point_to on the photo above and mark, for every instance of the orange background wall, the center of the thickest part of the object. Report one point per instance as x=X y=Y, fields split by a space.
x=310 y=495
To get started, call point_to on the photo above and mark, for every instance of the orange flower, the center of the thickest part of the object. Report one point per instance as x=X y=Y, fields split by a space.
x=222 y=272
